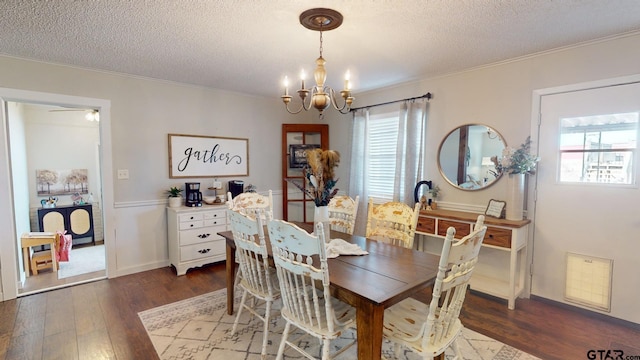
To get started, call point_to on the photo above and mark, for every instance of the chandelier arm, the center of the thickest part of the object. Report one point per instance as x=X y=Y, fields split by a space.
x=344 y=106
x=293 y=112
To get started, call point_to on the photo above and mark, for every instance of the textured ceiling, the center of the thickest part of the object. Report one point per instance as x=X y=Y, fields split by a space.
x=248 y=46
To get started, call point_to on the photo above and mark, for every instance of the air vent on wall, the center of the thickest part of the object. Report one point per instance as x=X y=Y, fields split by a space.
x=588 y=281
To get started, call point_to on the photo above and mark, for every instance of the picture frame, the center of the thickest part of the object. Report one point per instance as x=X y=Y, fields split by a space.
x=298 y=154
x=496 y=208
x=195 y=156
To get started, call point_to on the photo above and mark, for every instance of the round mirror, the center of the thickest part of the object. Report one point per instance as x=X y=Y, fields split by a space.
x=464 y=156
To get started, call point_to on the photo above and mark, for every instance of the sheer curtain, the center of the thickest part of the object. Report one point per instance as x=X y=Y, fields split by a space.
x=358 y=184
x=412 y=125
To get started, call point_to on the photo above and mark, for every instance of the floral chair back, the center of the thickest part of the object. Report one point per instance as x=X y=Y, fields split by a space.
x=247 y=203
x=342 y=213
x=392 y=222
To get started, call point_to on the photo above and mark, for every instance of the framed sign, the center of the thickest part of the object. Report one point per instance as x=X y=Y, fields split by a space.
x=298 y=154
x=495 y=209
x=192 y=156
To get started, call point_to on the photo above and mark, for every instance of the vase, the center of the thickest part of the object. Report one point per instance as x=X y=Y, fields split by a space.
x=515 y=196
x=321 y=214
x=175 y=201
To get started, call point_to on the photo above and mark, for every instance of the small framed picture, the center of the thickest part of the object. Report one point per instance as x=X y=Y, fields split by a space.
x=298 y=154
x=495 y=208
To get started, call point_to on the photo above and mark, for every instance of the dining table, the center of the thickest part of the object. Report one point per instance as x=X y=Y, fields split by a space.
x=370 y=283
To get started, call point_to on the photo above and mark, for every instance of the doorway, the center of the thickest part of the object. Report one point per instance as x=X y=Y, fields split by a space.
x=18 y=185
x=61 y=149
x=586 y=195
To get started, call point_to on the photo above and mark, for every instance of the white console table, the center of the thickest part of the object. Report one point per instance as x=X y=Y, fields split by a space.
x=509 y=237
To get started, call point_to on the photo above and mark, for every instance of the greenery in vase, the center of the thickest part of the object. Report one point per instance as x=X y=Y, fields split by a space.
x=435 y=192
x=174 y=192
x=319 y=173
x=517 y=161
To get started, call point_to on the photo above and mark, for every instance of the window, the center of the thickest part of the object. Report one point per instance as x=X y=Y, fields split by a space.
x=599 y=149
x=382 y=146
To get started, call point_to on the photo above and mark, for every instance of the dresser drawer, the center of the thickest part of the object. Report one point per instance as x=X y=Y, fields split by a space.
x=191 y=225
x=497 y=237
x=202 y=250
x=195 y=236
x=190 y=217
x=426 y=225
x=217 y=214
x=462 y=229
x=215 y=222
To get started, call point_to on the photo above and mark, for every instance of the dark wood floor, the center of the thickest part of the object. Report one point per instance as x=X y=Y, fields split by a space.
x=99 y=320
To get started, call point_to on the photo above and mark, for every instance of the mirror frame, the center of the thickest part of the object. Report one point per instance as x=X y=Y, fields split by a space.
x=442 y=143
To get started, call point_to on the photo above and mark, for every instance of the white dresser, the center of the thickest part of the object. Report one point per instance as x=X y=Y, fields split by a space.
x=193 y=236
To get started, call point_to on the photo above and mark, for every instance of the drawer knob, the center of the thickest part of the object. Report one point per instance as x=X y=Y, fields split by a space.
x=191 y=225
x=491 y=236
x=204 y=251
x=215 y=215
x=204 y=236
x=191 y=218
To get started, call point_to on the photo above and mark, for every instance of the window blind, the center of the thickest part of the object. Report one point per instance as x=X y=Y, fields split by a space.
x=383 y=138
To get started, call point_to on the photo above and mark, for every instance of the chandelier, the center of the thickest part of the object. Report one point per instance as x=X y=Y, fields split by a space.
x=322 y=96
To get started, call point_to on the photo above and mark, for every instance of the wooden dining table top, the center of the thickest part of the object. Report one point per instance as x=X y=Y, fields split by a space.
x=370 y=283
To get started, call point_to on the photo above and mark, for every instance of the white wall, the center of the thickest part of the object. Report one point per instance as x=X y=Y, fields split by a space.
x=60 y=141
x=501 y=96
x=142 y=113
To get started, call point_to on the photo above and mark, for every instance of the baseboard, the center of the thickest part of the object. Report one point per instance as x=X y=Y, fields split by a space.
x=140 y=268
x=588 y=313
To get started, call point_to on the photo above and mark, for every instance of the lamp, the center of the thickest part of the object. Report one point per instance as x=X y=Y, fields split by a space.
x=322 y=96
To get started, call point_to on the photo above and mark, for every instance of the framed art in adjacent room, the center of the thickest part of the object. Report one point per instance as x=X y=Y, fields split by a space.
x=192 y=156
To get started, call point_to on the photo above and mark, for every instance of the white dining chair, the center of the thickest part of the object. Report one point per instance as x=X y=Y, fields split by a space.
x=342 y=213
x=303 y=274
x=392 y=222
x=430 y=329
x=249 y=203
x=257 y=279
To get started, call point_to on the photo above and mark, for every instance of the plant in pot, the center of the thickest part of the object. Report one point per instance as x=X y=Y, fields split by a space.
x=175 y=197
x=434 y=191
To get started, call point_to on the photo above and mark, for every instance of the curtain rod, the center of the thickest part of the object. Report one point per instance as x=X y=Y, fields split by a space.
x=428 y=96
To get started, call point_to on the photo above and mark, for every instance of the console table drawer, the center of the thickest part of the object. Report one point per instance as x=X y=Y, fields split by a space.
x=426 y=225
x=462 y=229
x=189 y=217
x=498 y=237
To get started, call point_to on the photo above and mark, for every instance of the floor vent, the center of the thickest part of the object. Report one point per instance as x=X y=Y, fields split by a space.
x=588 y=281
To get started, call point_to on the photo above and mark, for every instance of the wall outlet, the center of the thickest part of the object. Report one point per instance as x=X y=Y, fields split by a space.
x=123 y=174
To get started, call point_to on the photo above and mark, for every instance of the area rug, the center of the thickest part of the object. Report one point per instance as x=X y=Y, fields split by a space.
x=200 y=329
x=83 y=260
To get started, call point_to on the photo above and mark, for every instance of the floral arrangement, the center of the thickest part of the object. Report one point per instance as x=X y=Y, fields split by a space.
x=435 y=192
x=517 y=161
x=320 y=172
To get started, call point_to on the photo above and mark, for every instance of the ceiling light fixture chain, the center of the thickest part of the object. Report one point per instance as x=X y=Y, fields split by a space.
x=322 y=96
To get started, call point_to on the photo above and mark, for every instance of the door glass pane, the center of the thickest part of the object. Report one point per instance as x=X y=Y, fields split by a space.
x=599 y=149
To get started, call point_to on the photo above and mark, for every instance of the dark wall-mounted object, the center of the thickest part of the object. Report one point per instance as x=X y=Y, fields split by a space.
x=417 y=192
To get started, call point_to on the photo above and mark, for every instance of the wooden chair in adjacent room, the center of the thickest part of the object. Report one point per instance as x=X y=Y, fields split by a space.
x=342 y=213
x=303 y=274
x=392 y=222
x=430 y=329
x=257 y=279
